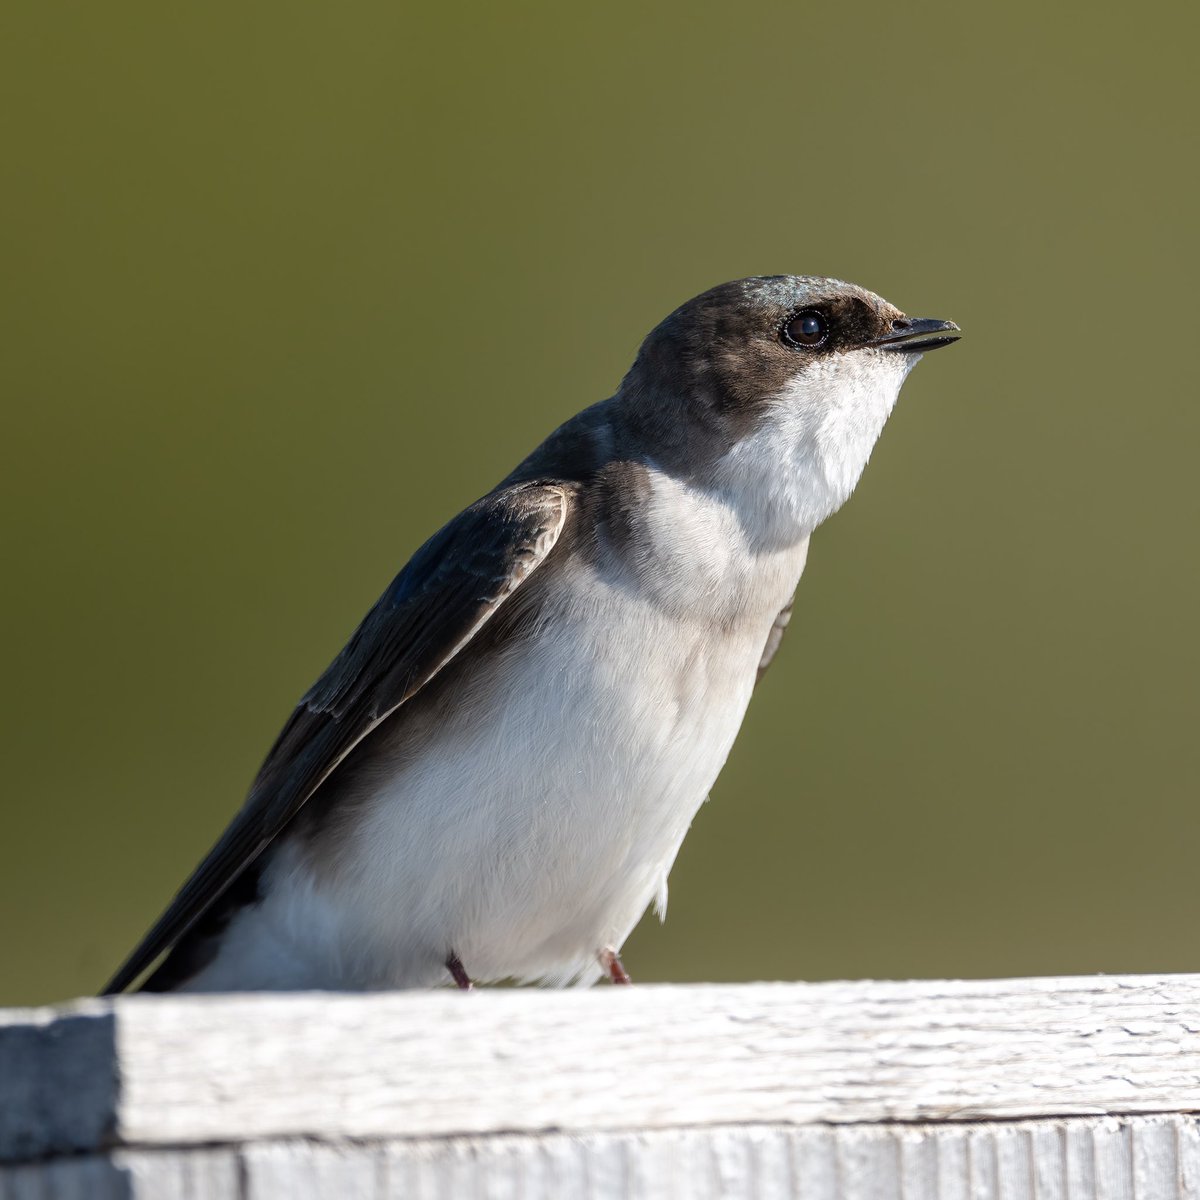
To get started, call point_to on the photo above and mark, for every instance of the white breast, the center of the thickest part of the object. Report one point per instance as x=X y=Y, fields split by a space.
x=807 y=454
x=537 y=825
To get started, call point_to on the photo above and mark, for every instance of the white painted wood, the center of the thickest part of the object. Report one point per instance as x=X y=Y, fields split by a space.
x=191 y=1174
x=304 y=1171
x=1008 y=1090
x=1077 y=1158
x=170 y=1071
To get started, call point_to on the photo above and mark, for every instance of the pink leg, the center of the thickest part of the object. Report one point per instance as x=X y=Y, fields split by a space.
x=458 y=972
x=611 y=962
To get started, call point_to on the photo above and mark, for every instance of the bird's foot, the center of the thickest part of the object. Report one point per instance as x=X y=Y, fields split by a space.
x=458 y=972
x=610 y=960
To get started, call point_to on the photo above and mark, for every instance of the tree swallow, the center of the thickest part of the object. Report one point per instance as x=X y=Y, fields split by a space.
x=493 y=778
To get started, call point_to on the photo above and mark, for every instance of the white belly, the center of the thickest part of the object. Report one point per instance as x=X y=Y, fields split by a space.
x=529 y=842
x=538 y=821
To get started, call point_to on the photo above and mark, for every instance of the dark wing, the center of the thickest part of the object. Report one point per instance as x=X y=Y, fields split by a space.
x=774 y=638
x=433 y=608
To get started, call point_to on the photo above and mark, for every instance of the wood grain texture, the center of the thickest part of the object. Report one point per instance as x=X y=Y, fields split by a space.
x=1079 y=1158
x=174 y=1071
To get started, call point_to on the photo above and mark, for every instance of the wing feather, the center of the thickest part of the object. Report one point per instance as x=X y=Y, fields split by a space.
x=775 y=638
x=448 y=591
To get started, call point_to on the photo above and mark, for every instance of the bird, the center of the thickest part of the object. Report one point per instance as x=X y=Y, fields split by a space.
x=493 y=778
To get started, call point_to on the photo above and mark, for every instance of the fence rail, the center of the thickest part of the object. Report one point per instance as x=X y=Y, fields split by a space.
x=1039 y=1088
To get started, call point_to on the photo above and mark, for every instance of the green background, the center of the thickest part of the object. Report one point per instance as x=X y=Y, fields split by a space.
x=285 y=286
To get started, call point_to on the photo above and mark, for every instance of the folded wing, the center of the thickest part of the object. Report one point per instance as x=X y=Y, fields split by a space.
x=449 y=590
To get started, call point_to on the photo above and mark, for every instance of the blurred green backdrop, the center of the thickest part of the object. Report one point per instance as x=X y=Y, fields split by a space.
x=285 y=286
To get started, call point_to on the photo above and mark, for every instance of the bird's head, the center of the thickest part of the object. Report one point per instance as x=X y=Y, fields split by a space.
x=775 y=389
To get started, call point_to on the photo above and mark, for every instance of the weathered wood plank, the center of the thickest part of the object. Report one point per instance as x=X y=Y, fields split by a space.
x=225 y=1070
x=1079 y=1158
x=57 y=1079
x=88 y=1178
x=191 y=1174
x=304 y=1171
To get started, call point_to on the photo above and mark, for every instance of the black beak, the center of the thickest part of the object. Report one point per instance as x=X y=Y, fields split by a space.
x=918 y=334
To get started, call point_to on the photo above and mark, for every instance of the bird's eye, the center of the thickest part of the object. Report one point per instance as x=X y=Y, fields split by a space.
x=806 y=329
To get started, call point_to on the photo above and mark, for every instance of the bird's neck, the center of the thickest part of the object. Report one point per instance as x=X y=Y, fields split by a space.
x=806 y=454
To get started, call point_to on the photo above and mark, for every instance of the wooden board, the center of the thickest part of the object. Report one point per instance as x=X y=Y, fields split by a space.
x=242 y=1076
x=1076 y=1158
